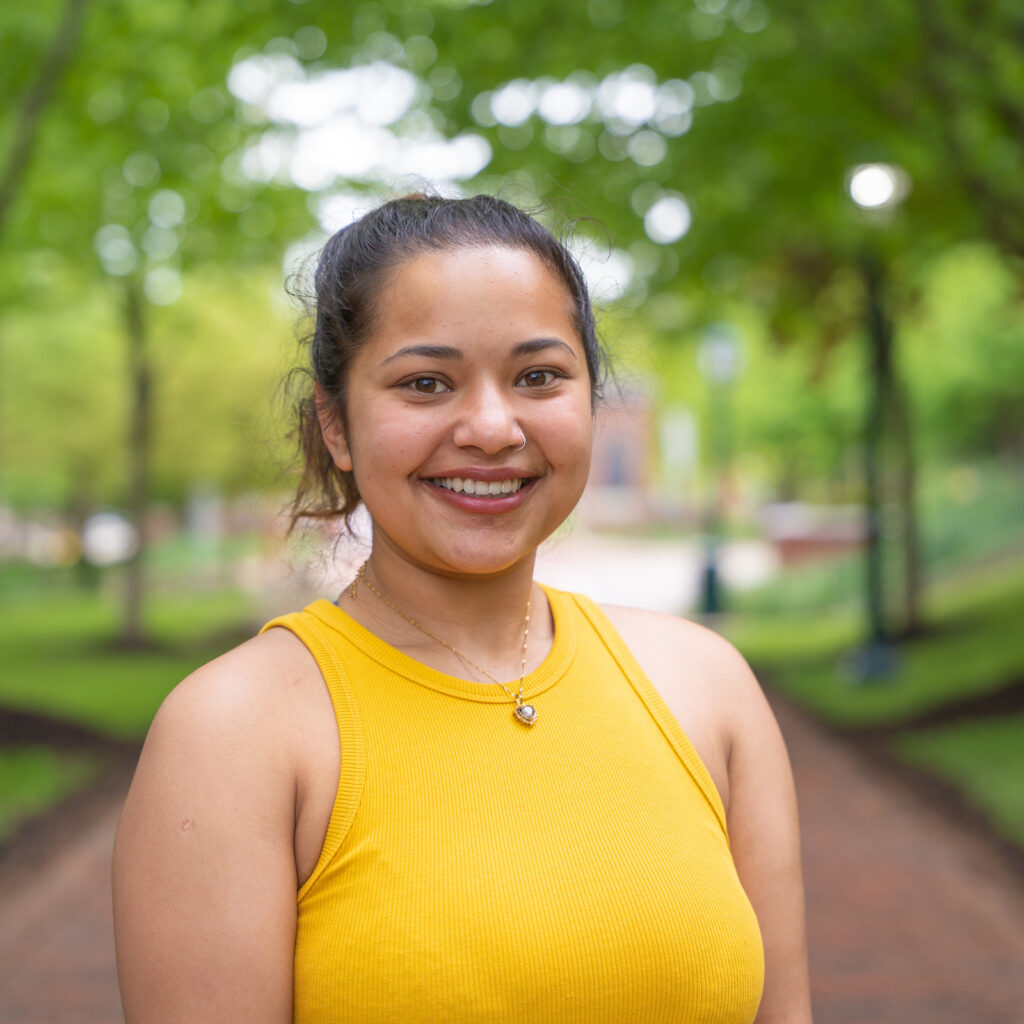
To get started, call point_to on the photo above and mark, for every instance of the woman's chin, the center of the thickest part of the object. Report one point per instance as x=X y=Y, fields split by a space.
x=486 y=565
x=465 y=560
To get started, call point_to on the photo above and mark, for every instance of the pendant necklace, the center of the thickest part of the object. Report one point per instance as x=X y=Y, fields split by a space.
x=525 y=714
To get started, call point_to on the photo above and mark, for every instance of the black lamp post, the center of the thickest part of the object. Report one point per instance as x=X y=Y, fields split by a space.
x=877 y=189
x=718 y=359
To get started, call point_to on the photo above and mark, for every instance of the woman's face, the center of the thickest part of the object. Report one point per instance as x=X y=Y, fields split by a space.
x=473 y=349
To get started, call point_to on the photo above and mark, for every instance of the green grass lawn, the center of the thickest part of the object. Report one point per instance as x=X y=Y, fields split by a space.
x=59 y=658
x=35 y=778
x=58 y=655
x=983 y=758
x=975 y=645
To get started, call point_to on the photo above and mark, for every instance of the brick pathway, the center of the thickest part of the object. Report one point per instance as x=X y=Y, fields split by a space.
x=910 y=919
x=56 y=935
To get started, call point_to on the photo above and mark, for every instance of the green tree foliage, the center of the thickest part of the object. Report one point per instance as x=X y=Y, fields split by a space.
x=131 y=189
x=964 y=354
x=752 y=114
x=134 y=176
x=63 y=403
x=786 y=99
x=745 y=118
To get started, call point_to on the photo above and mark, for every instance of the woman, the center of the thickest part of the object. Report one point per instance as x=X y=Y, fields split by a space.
x=495 y=801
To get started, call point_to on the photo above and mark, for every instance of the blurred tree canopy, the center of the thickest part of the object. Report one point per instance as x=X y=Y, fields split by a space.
x=157 y=157
x=756 y=114
x=714 y=140
x=128 y=192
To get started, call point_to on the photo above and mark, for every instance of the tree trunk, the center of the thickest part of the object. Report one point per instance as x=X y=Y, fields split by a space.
x=889 y=420
x=28 y=116
x=133 y=631
x=29 y=113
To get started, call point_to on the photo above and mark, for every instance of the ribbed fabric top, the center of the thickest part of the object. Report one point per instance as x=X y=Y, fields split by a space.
x=476 y=870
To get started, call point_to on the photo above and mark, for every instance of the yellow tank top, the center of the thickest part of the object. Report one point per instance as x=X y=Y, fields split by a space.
x=477 y=870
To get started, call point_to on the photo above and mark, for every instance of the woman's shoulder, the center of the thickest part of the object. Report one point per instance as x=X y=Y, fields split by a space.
x=256 y=669
x=257 y=690
x=679 y=642
x=706 y=684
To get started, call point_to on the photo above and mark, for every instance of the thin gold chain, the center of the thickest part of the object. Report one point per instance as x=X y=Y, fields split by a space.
x=517 y=697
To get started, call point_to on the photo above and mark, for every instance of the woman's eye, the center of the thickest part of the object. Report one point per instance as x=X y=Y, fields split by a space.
x=428 y=385
x=537 y=378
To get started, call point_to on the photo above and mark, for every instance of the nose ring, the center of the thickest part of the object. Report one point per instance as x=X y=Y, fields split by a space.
x=523 y=445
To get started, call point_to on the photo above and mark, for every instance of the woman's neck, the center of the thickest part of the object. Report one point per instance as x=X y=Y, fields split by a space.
x=446 y=620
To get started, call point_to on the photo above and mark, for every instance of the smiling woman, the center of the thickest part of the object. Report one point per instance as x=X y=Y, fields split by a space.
x=356 y=275
x=474 y=372
x=452 y=793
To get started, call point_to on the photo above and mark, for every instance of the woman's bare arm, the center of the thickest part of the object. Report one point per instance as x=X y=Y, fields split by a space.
x=204 y=866
x=765 y=840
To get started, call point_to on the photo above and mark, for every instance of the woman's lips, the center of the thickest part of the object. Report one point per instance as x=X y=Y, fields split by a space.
x=503 y=501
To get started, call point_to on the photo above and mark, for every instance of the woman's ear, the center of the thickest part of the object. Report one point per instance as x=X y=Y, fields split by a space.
x=333 y=431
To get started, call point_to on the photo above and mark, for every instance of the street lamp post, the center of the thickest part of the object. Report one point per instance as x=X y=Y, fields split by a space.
x=718 y=359
x=877 y=189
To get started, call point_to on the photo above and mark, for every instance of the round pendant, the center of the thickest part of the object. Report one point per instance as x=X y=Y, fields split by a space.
x=525 y=713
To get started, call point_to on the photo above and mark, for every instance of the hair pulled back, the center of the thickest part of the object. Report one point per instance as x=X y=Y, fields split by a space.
x=351 y=275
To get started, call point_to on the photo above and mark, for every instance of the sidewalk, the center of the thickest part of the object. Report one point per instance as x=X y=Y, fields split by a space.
x=56 y=935
x=909 y=918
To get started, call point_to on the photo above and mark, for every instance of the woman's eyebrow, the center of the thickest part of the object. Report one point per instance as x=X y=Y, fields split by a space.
x=427 y=351
x=524 y=348
x=527 y=348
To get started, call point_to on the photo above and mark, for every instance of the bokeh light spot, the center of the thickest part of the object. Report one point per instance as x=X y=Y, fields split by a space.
x=564 y=103
x=162 y=286
x=668 y=219
x=514 y=102
x=160 y=243
x=167 y=208
x=872 y=186
x=629 y=96
x=310 y=42
x=116 y=250
x=647 y=148
x=141 y=169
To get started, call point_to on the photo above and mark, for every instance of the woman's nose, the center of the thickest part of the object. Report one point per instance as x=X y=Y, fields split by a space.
x=487 y=421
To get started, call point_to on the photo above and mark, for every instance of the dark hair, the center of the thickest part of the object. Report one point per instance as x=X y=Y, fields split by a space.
x=351 y=274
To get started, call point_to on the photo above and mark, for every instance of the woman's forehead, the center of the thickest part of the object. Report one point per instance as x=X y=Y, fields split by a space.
x=479 y=265
x=458 y=285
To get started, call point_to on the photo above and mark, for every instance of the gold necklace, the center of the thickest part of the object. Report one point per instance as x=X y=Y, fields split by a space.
x=525 y=714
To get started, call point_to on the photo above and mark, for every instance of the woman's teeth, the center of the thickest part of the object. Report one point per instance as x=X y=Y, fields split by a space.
x=489 y=487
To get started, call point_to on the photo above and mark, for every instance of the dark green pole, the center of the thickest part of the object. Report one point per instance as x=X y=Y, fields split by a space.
x=875 y=660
